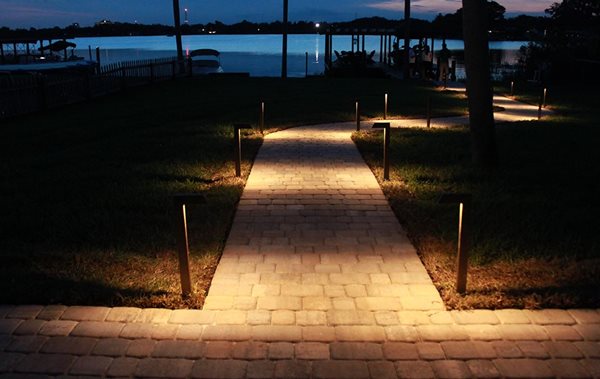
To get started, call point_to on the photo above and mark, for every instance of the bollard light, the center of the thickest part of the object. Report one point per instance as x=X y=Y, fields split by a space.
x=357 y=108
x=237 y=141
x=512 y=88
x=544 y=98
x=429 y=111
x=462 y=260
x=261 y=120
x=183 y=248
x=385 y=107
x=386 y=147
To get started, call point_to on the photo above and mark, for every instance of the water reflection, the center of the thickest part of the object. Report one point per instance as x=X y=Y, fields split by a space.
x=260 y=55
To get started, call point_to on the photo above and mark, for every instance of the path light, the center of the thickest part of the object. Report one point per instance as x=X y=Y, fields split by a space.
x=261 y=120
x=183 y=247
x=386 y=147
x=544 y=98
x=385 y=107
x=238 y=147
x=357 y=116
x=512 y=88
x=462 y=260
x=429 y=111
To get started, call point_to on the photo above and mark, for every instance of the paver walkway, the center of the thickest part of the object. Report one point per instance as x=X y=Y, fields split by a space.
x=313 y=232
x=317 y=280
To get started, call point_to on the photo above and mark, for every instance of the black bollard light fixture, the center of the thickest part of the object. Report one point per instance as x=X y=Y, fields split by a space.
x=237 y=141
x=183 y=248
x=462 y=260
x=386 y=147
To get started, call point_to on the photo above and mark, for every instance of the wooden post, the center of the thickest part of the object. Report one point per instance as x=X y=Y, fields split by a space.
x=306 y=65
x=462 y=259
x=90 y=51
x=381 y=49
x=357 y=116
x=386 y=147
x=363 y=43
x=330 y=49
x=385 y=55
x=285 y=41
x=326 y=52
x=98 y=61
x=453 y=70
x=389 y=49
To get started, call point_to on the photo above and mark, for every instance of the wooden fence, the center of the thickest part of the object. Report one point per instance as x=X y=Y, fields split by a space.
x=33 y=92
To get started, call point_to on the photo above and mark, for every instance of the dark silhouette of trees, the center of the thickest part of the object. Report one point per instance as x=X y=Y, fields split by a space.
x=451 y=25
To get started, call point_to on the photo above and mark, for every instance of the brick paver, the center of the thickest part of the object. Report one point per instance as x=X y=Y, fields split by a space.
x=317 y=280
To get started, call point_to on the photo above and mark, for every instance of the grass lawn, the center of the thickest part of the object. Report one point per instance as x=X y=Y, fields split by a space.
x=535 y=240
x=85 y=190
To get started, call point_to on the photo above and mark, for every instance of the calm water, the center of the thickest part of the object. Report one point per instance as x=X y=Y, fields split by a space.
x=260 y=55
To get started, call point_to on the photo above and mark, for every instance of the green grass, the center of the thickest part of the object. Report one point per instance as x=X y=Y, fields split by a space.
x=541 y=204
x=86 y=190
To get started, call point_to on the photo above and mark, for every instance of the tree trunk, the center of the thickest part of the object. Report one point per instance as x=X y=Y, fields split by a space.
x=177 y=23
x=285 y=41
x=479 y=86
x=406 y=58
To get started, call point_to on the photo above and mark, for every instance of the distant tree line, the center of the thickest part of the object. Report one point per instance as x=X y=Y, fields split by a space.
x=443 y=26
x=569 y=49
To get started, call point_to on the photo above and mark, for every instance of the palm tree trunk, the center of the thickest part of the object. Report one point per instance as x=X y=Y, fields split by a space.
x=285 y=41
x=406 y=58
x=479 y=90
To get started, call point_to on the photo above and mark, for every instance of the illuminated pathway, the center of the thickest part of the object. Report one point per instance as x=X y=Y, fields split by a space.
x=317 y=280
x=512 y=111
x=314 y=239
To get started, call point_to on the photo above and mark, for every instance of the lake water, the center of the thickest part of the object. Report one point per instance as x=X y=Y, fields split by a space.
x=260 y=55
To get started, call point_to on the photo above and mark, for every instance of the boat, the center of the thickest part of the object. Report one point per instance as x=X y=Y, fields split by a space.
x=205 y=62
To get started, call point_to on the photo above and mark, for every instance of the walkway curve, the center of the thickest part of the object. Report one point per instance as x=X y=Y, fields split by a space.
x=512 y=111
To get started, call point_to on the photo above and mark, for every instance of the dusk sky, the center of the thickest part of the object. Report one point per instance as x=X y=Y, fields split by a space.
x=48 y=13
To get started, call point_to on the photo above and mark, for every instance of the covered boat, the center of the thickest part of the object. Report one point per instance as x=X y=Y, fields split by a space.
x=205 y=62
